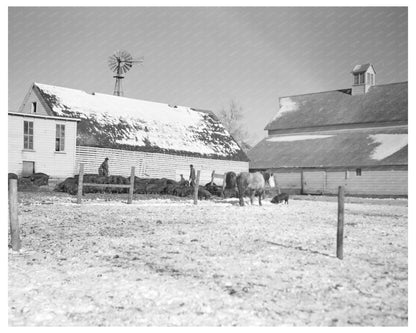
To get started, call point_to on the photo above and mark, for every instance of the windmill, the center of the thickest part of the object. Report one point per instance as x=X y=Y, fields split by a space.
x=120 y=63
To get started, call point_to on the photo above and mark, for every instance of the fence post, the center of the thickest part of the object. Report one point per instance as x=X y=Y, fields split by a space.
x=80 y=182
x=212 y=177
x=196 y=187
x=340 y=228
x=302 y=188
x=131 y=189
x=13 y=216
x=223 y=185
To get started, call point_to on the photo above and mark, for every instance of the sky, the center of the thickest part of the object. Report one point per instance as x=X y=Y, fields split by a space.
x=206 y=57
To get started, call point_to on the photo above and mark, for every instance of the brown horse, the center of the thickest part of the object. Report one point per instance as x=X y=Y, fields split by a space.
x=251 y=182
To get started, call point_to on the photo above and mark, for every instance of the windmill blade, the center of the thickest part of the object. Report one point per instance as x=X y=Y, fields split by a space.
x=114 y=62
x=121 y=61
x=125 y=56
x=127 y=66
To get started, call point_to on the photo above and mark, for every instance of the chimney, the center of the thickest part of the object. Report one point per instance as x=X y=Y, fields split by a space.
x=364 y=76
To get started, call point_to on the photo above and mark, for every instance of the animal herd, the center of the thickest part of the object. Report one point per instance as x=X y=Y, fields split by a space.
x=243 y=184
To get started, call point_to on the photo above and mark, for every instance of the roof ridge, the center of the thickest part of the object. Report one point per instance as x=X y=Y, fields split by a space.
x=129 y=98
x=341 y=90
x=317 y=92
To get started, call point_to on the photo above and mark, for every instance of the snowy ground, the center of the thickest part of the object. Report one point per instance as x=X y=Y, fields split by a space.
x=166 y=262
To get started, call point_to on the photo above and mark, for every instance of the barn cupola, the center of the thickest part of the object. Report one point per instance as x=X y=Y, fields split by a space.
x=364 y=76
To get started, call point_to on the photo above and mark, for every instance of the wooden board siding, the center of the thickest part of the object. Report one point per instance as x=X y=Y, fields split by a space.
x=314 y=182
x=379 y=182
x=393 y=181
x=120 y=161
x=337 y=178
x=55 y=164
x=153 y=164
x=371 y=182
x=26 y=106
x=287 y=180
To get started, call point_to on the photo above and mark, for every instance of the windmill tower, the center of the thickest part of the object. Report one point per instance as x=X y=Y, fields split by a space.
x=120 y=63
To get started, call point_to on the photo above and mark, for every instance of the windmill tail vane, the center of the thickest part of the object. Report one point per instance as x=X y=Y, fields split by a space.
x=120 y=63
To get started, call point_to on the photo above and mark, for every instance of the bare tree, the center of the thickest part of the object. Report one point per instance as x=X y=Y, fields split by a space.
x=232 y=118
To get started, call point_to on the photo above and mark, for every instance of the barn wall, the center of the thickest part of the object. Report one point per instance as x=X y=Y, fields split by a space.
x=380 y=181
x=314 y=182
x=153 y=165
x=55 y=164
x=287 y=180
x=335 y=179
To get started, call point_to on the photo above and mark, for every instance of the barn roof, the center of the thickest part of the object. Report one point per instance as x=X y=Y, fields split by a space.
x=359 y=147
x=123 y=123
x=382 y=103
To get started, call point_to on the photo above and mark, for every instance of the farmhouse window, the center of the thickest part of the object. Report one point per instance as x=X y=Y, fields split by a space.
x=34 y=106
x=358 y=172
x=60 y=138
x=362 y=78
x=28 y=135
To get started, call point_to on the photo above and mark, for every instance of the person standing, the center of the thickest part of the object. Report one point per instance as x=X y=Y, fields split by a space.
x=192 y=176
x=103 y=169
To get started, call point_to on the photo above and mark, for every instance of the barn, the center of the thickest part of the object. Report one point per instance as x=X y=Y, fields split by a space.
x=159 y=140
x=355 y=137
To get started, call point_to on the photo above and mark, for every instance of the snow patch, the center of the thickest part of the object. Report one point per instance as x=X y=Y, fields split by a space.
x=111 y=107
x=388 y=144
x=166 y=127
x=290 y=138
x=286 y=105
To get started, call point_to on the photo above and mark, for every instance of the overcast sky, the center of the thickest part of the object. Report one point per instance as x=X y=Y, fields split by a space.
x=206 y=57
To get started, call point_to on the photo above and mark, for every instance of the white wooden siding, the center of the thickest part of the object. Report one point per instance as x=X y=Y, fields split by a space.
x=153 y=164
x=314 y=182
x=26 y=106
x=55 y=164
x=381 y=182
x=335 y=179
x=371 y=182
x=287 y=180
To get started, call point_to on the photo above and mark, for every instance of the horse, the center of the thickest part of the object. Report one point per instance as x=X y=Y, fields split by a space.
x=253 y=182
x=230 y=184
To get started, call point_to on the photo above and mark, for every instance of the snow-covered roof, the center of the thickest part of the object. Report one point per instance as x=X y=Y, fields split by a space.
x=381 y=104
x=358 y=147
x=124 y=123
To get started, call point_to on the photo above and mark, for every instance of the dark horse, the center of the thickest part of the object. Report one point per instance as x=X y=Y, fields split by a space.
x=251 y=182
x=229 y=187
